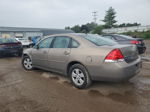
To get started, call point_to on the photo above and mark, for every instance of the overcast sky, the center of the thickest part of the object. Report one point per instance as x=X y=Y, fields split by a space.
x=61 y=13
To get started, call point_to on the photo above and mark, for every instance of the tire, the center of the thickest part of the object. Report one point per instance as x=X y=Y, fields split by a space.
x=79 y=76
x=27 y=63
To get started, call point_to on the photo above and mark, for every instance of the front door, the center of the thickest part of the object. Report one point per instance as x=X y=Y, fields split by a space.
x=40 y=53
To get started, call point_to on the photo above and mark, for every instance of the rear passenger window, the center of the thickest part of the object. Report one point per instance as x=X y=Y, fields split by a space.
x=61 y=42
x=74 y=44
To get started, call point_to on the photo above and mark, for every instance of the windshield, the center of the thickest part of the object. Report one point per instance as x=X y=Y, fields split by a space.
x=7 y=40
x=99 y=40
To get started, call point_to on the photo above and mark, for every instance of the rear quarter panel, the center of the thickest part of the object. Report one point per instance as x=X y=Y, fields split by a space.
x=89 y=56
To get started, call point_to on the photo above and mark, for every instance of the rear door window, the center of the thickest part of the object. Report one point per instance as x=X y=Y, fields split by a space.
x=61 y=42
x=74 y=44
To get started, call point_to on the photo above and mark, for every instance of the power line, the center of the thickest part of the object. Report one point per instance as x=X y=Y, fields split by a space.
x=94 y=16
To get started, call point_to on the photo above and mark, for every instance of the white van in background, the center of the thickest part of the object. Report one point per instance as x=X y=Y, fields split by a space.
x=25 y=42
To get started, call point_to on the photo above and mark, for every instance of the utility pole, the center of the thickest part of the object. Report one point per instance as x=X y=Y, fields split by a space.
x=94 y=16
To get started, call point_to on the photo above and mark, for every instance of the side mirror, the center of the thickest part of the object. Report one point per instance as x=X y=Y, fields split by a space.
x=37 y=47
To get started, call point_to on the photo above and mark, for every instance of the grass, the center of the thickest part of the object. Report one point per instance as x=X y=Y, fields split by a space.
x=145 y=35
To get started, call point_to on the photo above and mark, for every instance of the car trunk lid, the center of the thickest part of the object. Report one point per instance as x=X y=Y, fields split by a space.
x=129 y=52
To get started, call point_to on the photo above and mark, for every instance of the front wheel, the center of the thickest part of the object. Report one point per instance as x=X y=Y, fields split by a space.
x=79 y=76
x=27 y=63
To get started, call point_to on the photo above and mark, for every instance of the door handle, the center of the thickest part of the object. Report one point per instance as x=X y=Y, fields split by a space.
x=44 y=52
x=66 y=52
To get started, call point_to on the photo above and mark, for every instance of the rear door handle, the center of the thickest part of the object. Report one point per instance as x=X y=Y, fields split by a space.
x=66 y=52
x=45 y=52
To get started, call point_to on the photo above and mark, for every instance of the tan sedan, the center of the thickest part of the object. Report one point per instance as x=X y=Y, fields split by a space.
x=84 y=58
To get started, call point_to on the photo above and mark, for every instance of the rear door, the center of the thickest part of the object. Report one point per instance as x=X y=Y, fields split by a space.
x=40 y=53
x=59 y=53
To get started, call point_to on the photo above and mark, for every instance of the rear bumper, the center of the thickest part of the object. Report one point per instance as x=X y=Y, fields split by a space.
x=141 y=49
x=115 y=72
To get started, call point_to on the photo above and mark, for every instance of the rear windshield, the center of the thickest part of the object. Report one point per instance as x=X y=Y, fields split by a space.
x=7 y=40
x=99 y=40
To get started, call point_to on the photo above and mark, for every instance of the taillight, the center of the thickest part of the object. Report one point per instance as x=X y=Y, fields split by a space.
x=134 y=42
x=114 y=56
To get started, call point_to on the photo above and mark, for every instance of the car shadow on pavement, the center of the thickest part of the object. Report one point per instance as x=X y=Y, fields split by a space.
x=119 y=92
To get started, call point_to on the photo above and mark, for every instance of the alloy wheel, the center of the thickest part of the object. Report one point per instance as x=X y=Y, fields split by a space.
x=78 y=77
x=27 y=63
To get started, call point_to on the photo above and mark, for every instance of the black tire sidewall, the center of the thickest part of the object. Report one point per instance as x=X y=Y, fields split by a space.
x=87 y=81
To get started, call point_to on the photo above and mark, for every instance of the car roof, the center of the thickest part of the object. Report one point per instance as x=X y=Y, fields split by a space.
x=71 y=34
x=111 y=34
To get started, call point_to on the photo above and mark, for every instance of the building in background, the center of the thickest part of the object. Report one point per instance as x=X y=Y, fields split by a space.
x=20 y=32
x=127 y=29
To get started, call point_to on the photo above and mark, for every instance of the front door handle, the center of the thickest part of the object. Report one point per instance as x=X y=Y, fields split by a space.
x=66 y=52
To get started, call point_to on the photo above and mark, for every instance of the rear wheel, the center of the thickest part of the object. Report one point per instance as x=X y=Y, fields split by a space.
x=79 y=76
x=27 y=63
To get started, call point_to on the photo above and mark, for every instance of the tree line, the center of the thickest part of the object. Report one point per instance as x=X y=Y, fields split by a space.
x=109 y=20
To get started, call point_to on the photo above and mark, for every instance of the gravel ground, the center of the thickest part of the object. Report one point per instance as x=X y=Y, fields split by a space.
x=41 y=91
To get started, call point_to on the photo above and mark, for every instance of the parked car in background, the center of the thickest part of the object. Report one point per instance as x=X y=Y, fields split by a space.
x=35 y=40
x=25 y=42
x=10 y=46
x=124 y=39
x=84 y=58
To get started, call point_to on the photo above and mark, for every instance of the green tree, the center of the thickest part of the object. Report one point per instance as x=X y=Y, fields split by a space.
x=129 y=24
x=67 y=28
x=76 y=29
x=109 y=18
x=91 y=26
x=98 y=29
